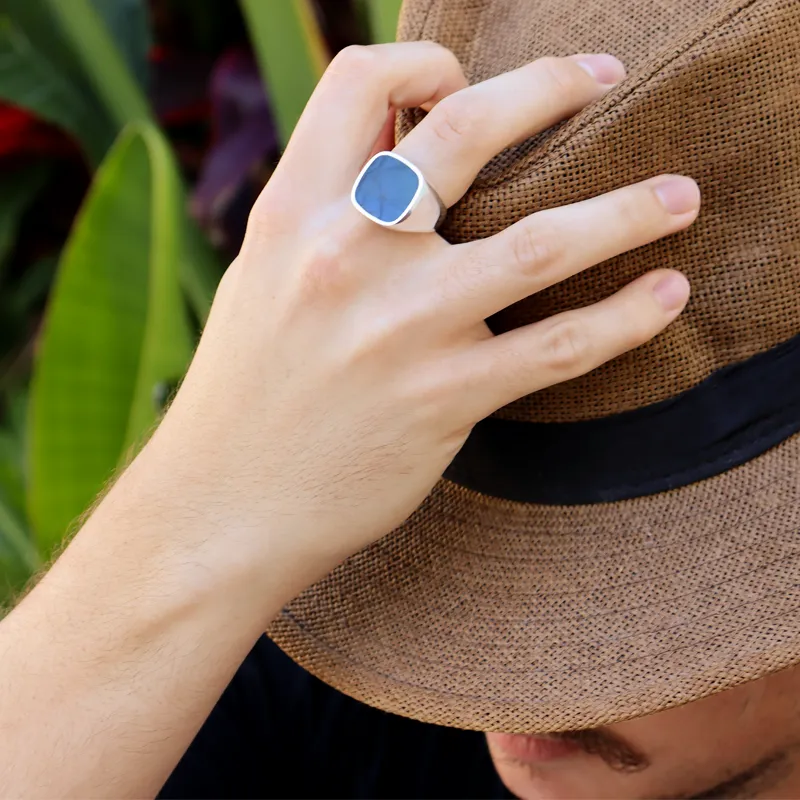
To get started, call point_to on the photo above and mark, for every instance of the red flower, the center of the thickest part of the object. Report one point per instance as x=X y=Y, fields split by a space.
x=23 y=134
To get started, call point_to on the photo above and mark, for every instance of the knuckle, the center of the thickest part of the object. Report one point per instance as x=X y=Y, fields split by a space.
x=463 y=278
x=437 y=50
x=453 y=119
x=563 y=77
x=636 y=214
x=324 y=269
x=435 y=389
x=634 y=332
x=449 y=59
x=567 y=346
x=270 y=216
x=353 y=62
x=535 y=247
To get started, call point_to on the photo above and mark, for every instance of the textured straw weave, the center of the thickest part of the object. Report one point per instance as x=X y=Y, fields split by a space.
x=488 y=614
x=712 y=93
x=492 y=615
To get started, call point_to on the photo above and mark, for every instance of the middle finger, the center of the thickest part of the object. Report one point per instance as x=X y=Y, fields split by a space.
x=483 y=277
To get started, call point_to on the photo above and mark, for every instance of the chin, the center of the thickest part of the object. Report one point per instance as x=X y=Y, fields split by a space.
x=534 y=783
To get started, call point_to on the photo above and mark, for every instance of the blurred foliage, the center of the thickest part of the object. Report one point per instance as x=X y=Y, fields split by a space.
x=115 y=331
x=16 y=194
x=383 y=15
x=291 y=54
x=134 y=137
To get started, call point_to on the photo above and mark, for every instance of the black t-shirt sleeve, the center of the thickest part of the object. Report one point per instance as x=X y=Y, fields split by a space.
x=242 y=748
x=278 y=732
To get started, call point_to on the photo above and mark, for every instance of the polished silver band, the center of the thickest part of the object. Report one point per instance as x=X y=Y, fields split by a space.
x=387 y=193
x=426 y=214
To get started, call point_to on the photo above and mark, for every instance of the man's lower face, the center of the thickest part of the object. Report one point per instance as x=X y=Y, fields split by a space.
x=741 y=743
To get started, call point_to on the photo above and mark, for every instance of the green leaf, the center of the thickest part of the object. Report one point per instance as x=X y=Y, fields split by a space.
x=200 y=270
x=13 y=468
x=126 y=21
x=383 y=16
x=12 y=486
x=32 y=286
x=34 y=19
x=291 y=54
x=115 y=331
x=71 y=63
x=30 y=79
x=18 y=556
x=103 y=65
x=17 y=191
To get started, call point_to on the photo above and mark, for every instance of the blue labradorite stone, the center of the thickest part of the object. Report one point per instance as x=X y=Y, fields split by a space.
x=387 y=188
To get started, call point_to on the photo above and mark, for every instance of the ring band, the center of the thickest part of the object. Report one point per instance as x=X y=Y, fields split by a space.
x=393 y=193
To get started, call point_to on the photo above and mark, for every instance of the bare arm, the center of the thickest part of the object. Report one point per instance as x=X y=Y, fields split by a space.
x=341 y=370
x=109 y=666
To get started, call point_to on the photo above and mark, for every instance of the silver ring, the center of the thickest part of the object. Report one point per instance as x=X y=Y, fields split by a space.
x=392 y=192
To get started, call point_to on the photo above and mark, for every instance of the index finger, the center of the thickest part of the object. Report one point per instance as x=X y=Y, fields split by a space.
x=345 y=115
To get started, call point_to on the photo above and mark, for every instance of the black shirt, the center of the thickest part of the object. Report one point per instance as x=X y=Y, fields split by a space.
x=279 y=732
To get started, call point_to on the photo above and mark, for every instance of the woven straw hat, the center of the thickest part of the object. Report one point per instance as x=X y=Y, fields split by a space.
x=630 y=540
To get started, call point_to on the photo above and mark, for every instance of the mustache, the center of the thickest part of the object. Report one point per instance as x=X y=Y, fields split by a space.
x=614 y=750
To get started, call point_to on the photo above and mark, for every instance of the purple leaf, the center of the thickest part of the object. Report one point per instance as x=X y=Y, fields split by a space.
x=244 y=135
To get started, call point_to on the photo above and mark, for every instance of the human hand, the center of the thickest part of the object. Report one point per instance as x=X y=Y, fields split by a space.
x=343 y=364
x=341 y=369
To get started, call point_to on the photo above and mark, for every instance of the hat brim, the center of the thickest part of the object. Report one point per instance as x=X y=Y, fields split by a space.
x=485 y=614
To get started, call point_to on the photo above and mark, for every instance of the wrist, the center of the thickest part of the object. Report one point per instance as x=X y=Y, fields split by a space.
x=179 y=515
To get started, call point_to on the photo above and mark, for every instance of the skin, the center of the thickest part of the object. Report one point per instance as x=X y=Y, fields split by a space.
x=741 y=743
x=342 y=367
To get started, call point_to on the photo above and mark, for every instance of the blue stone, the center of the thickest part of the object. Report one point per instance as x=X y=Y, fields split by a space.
x=387 y=188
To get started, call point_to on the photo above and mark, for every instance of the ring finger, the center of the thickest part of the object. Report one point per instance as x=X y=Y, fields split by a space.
x=468 y=128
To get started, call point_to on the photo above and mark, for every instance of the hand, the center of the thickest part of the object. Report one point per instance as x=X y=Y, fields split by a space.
x=341 y=370
x=343 y=364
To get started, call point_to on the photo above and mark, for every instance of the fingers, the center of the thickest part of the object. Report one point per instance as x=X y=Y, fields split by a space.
x=567 y=345
x=470 y=127
x=349 y=108
x=486 y=276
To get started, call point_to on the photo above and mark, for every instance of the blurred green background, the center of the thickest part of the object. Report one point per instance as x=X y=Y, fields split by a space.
x=134 y=138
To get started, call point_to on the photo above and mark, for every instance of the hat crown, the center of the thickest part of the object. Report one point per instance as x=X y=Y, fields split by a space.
x=708 y=94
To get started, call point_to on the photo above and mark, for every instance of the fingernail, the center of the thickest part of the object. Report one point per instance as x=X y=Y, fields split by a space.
x=678 y=195
x=672 y=291
x=604 y=68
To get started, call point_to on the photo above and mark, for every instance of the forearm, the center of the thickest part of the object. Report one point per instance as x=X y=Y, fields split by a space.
x=109 y=667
